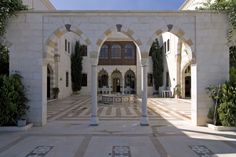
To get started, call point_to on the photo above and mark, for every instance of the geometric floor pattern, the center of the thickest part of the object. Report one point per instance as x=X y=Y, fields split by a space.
x=119 y=134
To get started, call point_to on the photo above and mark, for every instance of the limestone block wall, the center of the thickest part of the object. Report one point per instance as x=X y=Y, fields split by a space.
x=26 y=58
x=212 y=62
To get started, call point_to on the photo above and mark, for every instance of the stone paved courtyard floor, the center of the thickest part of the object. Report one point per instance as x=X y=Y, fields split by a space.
x=119 y=134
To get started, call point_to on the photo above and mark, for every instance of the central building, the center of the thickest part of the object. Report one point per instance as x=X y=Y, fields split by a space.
x=119 y=66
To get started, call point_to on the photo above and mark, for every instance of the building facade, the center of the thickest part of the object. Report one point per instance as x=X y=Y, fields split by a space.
x=117 y=58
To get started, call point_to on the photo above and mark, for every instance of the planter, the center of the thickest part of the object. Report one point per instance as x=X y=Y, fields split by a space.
x=16 y=128
x=221 y=128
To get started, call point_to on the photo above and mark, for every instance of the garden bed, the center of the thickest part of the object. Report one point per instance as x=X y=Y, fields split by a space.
x=16 y=128
x=221 y=128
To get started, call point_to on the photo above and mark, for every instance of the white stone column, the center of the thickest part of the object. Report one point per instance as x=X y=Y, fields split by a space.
x=123 y=85
x=144 y=116
x=94 y=118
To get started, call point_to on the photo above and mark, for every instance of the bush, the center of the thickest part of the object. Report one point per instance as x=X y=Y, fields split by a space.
x=13 y=104
x=227 y=114
x=224 y=108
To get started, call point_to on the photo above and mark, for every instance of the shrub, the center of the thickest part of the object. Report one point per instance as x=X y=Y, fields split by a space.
x=227 y=114
x=13 y=104
x=224 y=107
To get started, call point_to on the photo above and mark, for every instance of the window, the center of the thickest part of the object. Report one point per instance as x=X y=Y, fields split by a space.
x=150 y=80
x=168 y=45
x=67 y=79
x=68 y=47
x=129 y=51
x=84 y=80
x=167 y=79
x=116 y=51
x=164 y=47
x=65 y=44
x=104 y=52
x=103 y=81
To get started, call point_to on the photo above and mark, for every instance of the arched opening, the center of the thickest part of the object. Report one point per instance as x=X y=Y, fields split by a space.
x=49 y=82
x=130 y=82
x=119 y=51
x=103 y=82
x=116 y=77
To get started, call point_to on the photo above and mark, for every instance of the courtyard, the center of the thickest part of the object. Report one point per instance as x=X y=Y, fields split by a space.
x=119 y=134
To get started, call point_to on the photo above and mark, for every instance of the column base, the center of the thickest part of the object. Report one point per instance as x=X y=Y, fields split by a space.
x=144 y=121
x=94 y=121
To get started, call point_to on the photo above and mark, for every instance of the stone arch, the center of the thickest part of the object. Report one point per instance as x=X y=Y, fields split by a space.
x=50 y=46
x=176 y=31
x=130 y=33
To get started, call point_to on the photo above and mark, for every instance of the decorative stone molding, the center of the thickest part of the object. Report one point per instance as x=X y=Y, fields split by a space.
x=58 y=33
x=130 y=32
x=138 y=42
x=189 y=42
x=169 y=26
x=108 y=32
x=158 y=32
x=180 y=33
x=99 y=42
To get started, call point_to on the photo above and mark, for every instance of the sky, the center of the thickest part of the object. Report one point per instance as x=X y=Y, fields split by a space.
x=117 y=4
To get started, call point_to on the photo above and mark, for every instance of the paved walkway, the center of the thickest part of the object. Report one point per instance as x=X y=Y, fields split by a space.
x=119 y=134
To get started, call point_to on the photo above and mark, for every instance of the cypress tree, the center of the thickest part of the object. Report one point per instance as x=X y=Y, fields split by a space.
x=157 y=59
x=76 y=67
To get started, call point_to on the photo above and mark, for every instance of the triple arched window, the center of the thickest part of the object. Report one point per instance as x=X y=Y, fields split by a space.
x=129 y=51
x=104 y=53
x=115 y=51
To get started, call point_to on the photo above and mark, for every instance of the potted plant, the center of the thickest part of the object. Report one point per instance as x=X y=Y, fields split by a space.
x=56 y=91
x=177 y=91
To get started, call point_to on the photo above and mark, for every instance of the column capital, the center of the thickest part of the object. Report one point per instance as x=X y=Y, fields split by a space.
x=144 y=61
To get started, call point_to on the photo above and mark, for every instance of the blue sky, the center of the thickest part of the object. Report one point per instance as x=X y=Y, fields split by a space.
x=117 y=4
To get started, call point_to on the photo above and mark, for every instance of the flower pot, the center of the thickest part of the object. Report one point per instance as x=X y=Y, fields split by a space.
x=21 y=122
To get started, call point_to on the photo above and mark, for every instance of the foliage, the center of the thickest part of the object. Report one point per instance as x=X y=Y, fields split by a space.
x=157 y=59
x=224 y=97
x=227 y=114
x=226 y=6
x=9 y=8
x=13 y=104
x=214 y=93
x=4 y=60
x=76 y=66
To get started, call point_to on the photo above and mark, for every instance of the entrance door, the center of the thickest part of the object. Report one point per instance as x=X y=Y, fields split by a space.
x=188 y=86
x=116 y=85
x=48 y=87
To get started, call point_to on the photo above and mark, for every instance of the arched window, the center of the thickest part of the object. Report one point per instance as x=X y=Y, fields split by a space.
x=116 y=51
x=129 y=51
x=104 y=52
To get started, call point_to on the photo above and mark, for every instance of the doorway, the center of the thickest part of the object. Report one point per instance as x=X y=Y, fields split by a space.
x=116 y=85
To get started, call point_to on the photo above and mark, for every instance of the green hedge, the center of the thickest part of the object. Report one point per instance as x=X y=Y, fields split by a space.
x=224 y=109
x=13 y=104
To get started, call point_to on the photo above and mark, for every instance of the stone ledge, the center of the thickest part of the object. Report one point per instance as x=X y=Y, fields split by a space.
x=221 y=128
x=16 y=128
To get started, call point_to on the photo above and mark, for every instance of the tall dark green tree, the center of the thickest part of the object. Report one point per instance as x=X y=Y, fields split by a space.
x=76 y=66
x=157 y=59
x=4 y=60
